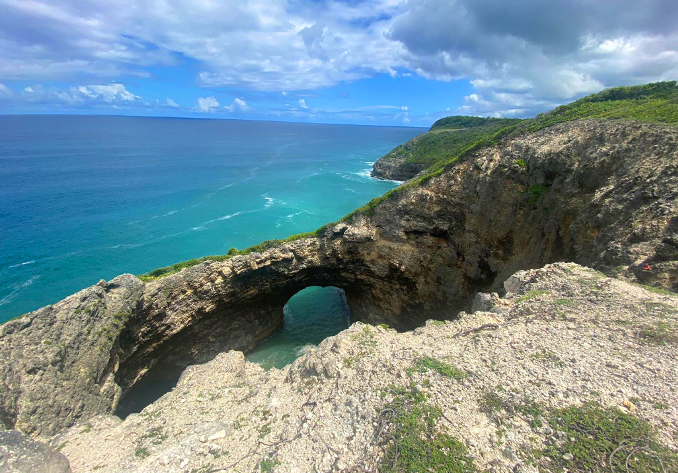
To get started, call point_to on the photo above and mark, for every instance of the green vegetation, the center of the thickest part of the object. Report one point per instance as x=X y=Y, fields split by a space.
x=659 y=334
x=141 y=453
x=536 y=192
x=154 y=435
x=446 y=138
x=497 y=408
x=453 y=138
x=532 y=294
x=266 y=466
x=415 y=443
x=605 y=440
x=657 y=102
x=424 y=364
x=657 y=290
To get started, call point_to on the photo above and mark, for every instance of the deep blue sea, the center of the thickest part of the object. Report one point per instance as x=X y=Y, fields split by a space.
x=84 y=198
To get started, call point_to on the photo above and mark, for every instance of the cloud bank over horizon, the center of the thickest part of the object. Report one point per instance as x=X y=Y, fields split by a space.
x=293 y=60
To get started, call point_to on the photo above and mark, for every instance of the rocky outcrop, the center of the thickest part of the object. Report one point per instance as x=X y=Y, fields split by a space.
x=21 y=454
x=604 y=194
x=394 y=166
x=561 y=336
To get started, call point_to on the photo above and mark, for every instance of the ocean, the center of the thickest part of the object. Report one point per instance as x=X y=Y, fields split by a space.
x=84 y=198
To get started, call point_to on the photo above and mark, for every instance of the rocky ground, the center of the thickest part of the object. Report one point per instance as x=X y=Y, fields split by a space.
x=570 y=371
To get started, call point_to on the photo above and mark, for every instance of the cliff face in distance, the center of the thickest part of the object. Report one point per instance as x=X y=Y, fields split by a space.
x=452 y=137
x=447 y=137
x=602 y=194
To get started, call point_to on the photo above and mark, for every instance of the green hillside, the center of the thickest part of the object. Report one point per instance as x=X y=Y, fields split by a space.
x=446 y=138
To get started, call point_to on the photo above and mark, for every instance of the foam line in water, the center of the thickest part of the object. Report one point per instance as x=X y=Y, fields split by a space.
x=22 y=264
x=16 y=289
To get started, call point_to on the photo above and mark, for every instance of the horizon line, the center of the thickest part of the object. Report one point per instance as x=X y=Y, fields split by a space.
x=47 y=114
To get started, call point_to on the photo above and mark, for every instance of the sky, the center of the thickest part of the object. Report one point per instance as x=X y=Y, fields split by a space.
x=380 y=62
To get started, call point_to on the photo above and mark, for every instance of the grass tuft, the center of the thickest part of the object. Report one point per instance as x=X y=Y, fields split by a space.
x=424 y=364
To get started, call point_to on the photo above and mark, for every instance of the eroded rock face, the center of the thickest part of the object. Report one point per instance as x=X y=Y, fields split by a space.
x=565 y=335
x=395 y=168
x=603 y=194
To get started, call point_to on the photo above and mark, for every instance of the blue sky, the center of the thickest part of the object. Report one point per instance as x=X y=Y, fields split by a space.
x=382 y=62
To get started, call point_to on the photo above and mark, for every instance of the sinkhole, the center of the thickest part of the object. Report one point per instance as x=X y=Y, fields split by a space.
x=310 y=316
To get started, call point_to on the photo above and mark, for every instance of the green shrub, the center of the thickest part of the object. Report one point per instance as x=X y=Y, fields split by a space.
x=606 y=440
x=415 y=443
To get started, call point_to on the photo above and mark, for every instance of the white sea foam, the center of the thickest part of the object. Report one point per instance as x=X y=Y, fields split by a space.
x=126 y=245
x=364 y=173
x=17 y=288
x=22 y=264
x=225 y=217
x=303 y=349
x=271 y=201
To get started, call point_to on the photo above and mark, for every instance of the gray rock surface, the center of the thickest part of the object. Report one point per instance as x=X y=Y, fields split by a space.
x=603 y=194
x=21 y=454
x=569 y=335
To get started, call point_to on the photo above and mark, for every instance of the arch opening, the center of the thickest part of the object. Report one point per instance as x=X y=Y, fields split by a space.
x=311 y=315
x=307 y=318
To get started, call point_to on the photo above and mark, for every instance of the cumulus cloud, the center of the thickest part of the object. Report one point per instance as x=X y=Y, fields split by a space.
x=260 y=44
x=238 y=105
x=521 y=56
x=207 y=104
x=107 y=93
x=96 y=96
x=525 y=55
x=302 y=103
x=171 y=103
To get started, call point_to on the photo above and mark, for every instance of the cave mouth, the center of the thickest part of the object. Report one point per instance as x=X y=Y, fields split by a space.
x=311 y=315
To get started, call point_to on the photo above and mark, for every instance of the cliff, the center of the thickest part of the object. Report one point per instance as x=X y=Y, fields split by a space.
x=446 y=138
x=452 y=137
x=602 y=194
x=570 y=370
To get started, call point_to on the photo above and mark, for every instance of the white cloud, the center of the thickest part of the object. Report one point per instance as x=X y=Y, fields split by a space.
x=238 y=105
x=207 y=104
x=28 y=89
x=406 y=119
x=302 y=103
x=404 y=107
x=171 y=103
x=108 y=93
x=540 y=53
x=5 y=92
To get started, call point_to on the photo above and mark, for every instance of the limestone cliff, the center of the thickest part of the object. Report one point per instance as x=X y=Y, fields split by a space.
x=567 y=358
x=602 y=194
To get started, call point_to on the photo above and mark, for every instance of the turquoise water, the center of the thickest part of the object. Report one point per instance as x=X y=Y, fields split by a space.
x=310 y=316
x=88 y=198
